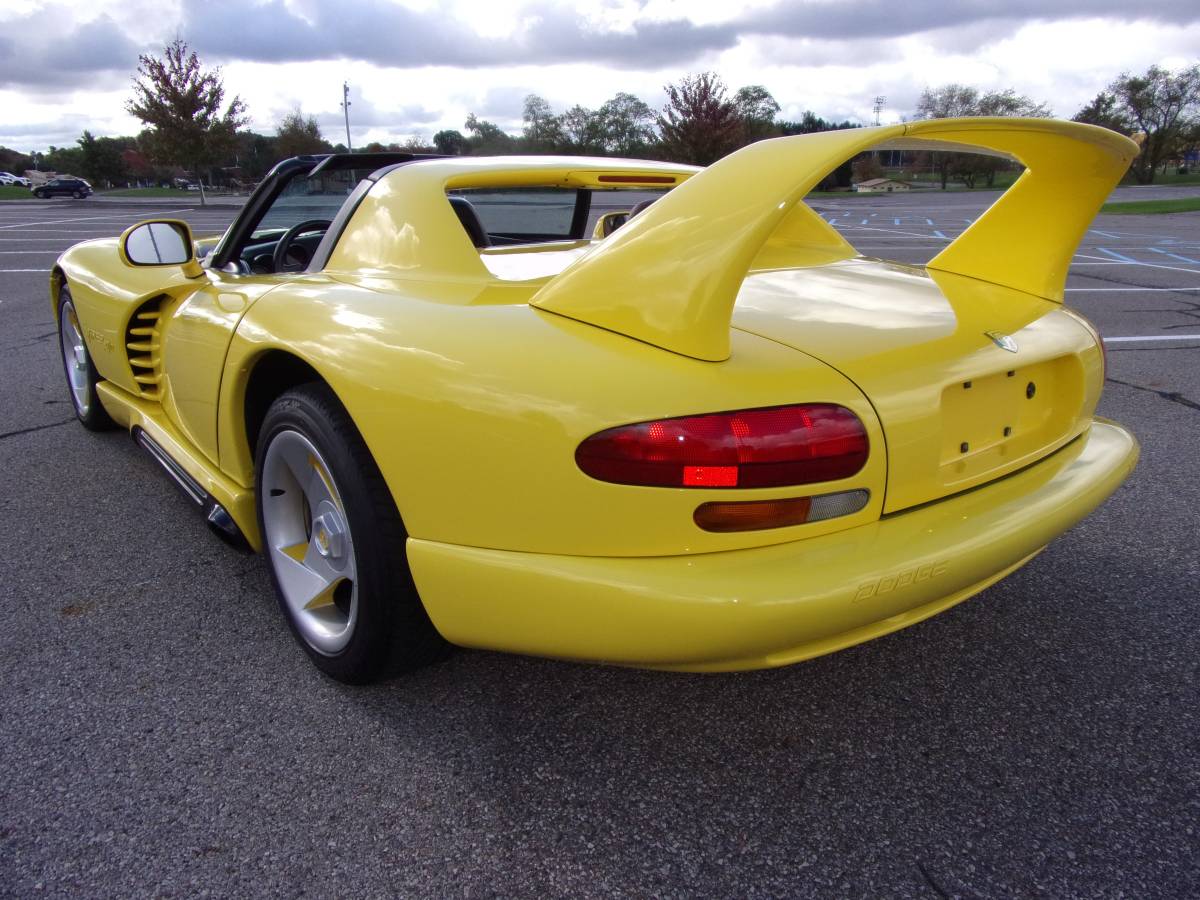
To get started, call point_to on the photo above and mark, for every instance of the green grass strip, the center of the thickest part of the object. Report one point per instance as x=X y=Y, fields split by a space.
x=151 y=192
x=1151 y=207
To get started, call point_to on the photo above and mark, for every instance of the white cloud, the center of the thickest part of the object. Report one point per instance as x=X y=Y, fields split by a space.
x=424 y=65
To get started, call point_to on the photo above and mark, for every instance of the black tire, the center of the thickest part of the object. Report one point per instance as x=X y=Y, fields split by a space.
x=78 y=195
x=41 y=195
x=391 y=632
x=89 y=412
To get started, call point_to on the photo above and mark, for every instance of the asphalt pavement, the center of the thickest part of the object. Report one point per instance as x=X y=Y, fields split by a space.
x=161 y=734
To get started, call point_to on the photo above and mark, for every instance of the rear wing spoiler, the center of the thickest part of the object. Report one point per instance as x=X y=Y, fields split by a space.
x=670 y=276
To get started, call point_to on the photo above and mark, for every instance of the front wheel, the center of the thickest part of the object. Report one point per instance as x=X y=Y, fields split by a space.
x=335 y=544
x=82 y=377
x=78 y=195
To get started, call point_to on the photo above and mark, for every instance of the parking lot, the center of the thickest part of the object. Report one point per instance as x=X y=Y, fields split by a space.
x=162 y=735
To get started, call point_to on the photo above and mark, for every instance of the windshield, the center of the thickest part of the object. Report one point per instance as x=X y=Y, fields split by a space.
x=304 y=199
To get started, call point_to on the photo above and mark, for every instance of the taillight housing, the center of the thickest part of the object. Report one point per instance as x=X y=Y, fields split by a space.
x=775 y=446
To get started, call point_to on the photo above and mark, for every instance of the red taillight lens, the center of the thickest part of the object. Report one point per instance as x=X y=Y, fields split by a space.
x=774 y=447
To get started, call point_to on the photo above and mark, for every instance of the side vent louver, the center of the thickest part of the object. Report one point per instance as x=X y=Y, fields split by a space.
x=142 y=344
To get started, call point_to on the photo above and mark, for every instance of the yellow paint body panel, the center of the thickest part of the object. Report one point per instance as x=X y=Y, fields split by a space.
x=775 y=605
x=916 y=343
x=473 y=376
x=693 y=248
x=473 y=409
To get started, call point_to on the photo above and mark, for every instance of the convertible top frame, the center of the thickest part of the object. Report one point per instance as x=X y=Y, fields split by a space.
x=283 y=172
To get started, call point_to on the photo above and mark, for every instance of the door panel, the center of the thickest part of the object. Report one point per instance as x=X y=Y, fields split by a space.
x=196 y=338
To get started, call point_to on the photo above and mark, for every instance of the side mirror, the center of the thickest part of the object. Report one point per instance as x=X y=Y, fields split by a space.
x=160 y=243
x=608 y=223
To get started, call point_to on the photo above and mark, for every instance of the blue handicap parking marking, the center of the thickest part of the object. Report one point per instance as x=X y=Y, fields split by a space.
x=1174 y=255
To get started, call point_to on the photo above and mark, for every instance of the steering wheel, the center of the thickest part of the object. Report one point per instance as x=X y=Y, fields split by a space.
x=279 y=259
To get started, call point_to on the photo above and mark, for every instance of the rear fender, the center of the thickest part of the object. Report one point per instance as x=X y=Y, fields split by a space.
x=473 y=414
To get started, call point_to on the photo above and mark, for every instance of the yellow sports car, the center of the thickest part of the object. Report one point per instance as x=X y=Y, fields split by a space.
x=452 y=405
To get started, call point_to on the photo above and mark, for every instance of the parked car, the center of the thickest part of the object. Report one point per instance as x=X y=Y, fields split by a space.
x=63 y=187
x=447 y=410
x=11 y=180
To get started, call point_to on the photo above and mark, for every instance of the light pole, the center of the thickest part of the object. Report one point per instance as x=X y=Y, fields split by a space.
x=880 y=100
x=346 y=110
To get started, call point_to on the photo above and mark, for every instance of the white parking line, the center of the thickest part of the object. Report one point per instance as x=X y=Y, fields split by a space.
x=914 y=234
x=1134 y=262
x=46 y=271
x=1130 y=290
x=1152 y=337
x=165 y=212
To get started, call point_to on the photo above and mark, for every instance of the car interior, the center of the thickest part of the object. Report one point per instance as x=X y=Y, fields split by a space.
x=298 y=204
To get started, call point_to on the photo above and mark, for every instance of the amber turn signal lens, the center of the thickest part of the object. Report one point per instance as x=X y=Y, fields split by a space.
x=752 y=516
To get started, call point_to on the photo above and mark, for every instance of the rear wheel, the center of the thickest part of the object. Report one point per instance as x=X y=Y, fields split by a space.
x=82 y=377
x=335 y=544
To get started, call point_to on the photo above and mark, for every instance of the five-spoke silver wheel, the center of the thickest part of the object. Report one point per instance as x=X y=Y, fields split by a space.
x=307 y=537
x=335 y=544
x=75 y=359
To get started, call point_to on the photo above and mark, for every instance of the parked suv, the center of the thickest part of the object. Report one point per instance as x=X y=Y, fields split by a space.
x=56 y=187
x=8 y=178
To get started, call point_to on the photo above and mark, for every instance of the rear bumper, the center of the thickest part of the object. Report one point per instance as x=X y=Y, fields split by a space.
x=775 y=605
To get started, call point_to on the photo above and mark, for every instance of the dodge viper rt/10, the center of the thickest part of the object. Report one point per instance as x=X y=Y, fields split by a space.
x=452 y=405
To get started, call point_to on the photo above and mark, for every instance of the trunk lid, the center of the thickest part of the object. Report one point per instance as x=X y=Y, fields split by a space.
x=957 y=409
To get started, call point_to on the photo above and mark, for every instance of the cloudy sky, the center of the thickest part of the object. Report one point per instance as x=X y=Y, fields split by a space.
x=417 y=66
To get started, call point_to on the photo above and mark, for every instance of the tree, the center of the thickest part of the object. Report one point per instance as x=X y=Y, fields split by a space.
x=182 y=104
x=628 y=126
x=450 y=142
x=954 y=100
x=757 y=109
x=136 y=164
x=543 y=131
x=811 y=123
x=298 y=135
x=417 y=144
x=254 y=155
x=1163 y=106
x=63 y=160
x=947 y=102
x=866 y=167
x=1009 y=103
x=1105 y=112
x=699 y=124
x=102 y=159
x=14 y=161
x=487 y=137
x=582 y=131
